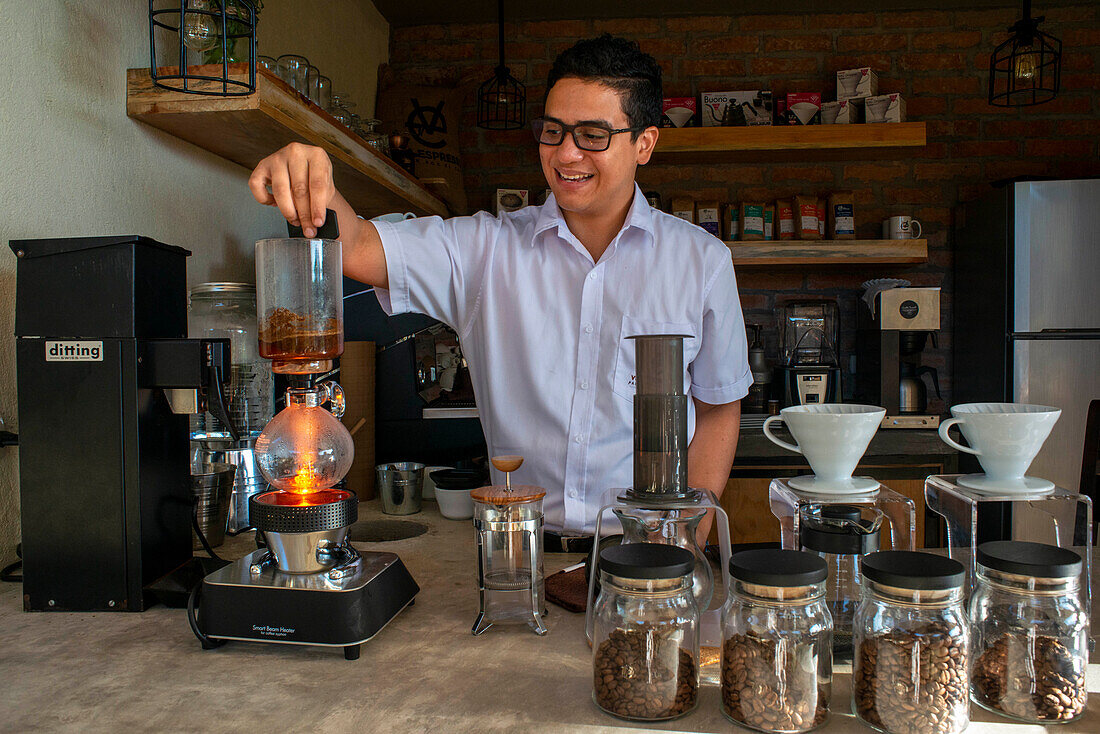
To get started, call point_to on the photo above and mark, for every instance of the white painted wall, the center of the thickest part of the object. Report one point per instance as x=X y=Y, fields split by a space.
x=72 y=163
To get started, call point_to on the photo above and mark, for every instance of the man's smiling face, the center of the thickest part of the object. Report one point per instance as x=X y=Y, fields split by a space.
x=586 y=182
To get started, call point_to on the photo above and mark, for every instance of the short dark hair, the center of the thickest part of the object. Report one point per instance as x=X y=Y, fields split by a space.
x=620 y=64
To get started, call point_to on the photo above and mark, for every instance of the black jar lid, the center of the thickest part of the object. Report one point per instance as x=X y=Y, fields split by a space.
x=647 y=561
x=855 y=537
x=1029 y=559
x=771 y=567
x=913 y=570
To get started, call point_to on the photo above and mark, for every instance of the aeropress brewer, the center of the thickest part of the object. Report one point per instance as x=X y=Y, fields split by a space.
x=660 y=507
x=309 y=585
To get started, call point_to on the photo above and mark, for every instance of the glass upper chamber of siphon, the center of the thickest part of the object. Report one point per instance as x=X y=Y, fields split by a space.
x=305 y=448
x=300 y=300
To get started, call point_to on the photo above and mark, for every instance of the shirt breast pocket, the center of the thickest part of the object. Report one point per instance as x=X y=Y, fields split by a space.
x=625 y=365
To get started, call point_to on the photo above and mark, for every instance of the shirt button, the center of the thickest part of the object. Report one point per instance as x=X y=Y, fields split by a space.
x=592 y=275
x=578 y=438
x=584 y=385
x=573 y=494
x=588 y=328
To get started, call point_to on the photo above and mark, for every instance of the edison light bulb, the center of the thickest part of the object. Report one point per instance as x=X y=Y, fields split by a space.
x=1024 y=66
x=199 y=31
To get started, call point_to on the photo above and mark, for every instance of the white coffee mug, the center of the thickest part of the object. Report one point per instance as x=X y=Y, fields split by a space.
x=832 y=436
x=1004 y=436
x=900 y=228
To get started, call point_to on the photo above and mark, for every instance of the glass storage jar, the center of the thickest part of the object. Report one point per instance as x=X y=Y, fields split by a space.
x=912 y=643
x=777 y=660
x=646 y=633
x=1030 y=632
x=841 y=535
x=228 y=311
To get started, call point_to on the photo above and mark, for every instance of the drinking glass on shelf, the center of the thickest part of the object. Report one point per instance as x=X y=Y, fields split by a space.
x=313 y=77
x=356 y=125
x=266 y=62
x=324 y=92
x=292 y=70
x=375 y=138
x=338 y=110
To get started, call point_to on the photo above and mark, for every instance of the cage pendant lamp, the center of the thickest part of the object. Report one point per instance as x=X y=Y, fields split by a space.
x=1026 y=69
x=502 y=100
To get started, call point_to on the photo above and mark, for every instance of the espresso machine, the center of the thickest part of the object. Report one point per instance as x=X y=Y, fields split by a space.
x=309 y=585
x=107 y=380
x=810 y=353
x=893 y=327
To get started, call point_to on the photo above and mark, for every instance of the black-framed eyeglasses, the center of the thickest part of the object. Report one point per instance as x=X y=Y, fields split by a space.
x=586 y=135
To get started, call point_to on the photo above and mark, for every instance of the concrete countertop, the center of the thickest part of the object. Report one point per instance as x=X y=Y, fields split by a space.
x=424 y=672
x=920 y=444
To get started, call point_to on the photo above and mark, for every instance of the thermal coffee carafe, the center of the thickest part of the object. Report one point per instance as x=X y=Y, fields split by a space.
x=810 y=353
x=309 y=585
x=894 y=326
x=106 y=379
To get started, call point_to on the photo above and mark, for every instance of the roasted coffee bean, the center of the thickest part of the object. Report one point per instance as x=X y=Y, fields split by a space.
x=643 y=673
x=759 y=692
x=1031 y=678
x=913 y=681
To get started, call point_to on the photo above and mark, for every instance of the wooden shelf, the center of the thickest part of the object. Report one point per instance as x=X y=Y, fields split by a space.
x=829 y=252
x=247 y=129
x=811 y=142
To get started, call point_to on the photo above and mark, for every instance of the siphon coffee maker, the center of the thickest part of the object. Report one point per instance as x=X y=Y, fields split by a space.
x=660 y=507
x=309 y=585
x=508 y=523
x=809 y=353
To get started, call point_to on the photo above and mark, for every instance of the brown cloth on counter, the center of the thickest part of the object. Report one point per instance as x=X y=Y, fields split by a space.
x=568 y=590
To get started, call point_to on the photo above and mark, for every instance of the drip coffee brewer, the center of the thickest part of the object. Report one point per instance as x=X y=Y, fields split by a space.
x=309 y=585
x=833 y=438
x=893 y=330
x=508 y=523
x=810 y=353
x=661 y=507
x=1004 y=502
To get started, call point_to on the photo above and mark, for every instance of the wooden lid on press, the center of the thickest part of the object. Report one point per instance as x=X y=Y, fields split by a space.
x=498 y=494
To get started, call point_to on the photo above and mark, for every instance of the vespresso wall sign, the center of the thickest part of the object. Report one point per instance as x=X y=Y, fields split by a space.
x=74 y=351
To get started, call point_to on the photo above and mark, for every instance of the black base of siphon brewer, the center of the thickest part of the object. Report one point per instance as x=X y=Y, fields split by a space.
x=239 y=602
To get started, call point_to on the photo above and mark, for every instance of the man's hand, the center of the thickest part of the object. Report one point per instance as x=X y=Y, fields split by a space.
x=300 y=181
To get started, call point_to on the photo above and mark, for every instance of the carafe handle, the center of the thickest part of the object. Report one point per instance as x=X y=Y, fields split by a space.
x=945 y=427
x=335 y=395
x=778 y=441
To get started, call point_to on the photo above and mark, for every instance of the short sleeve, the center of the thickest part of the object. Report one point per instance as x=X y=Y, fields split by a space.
x=435 y=266
x=720 y=372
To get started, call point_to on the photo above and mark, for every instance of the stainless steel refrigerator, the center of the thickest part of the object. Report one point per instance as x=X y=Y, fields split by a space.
x=1027 y=308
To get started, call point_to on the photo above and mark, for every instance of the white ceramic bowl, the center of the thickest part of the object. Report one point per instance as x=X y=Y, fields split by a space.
x=429 y=483
x=455 y=504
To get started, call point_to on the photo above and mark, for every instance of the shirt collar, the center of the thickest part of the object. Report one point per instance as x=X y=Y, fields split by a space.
x=639 y=216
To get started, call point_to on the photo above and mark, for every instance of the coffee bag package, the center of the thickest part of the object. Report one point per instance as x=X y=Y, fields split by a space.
x=844 y=112
x=821 y=217
x=707 y=217
x=752 y=221
x=509 y=200
x=842 y=220
x=678 y=112
x=856 y=83
x=784 y=212
x=803 y=108
x=805 y=211
x=769 y=222
x=885 y=108
x=731 y=222
x=683 y=207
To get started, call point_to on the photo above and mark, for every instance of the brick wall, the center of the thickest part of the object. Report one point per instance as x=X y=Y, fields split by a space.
x=938 y=60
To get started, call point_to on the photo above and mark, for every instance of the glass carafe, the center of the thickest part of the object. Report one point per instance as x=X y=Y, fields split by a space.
x=305 y=448
x=671 y=527
x=300 y=302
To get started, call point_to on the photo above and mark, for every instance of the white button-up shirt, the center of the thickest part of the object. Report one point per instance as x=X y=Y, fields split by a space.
x=544 y=330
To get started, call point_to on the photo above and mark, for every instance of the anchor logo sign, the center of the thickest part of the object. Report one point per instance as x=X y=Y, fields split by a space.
x=427 y=124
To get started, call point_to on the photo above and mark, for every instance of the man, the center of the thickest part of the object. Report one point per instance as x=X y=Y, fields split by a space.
x=544 y=298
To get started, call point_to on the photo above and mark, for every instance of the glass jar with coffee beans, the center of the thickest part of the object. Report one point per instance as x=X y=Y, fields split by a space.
x=911 y=644
x=1030 y=632
x=645 y=639
x=777 y=657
